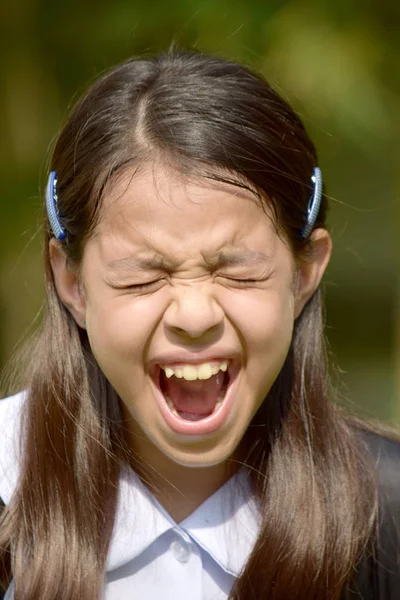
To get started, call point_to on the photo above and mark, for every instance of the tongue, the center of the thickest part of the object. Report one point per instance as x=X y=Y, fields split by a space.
x=197 y=397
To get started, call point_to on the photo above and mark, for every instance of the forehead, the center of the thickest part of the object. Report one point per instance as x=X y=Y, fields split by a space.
x=158 y=209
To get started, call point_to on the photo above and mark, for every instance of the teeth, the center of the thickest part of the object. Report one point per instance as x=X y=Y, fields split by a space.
x=218 y=404
x=206 y=371
x=193 y=372
x=171 y=406
x=189 y=373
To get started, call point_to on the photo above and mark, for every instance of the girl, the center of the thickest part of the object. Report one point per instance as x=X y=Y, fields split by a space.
x=176 y=437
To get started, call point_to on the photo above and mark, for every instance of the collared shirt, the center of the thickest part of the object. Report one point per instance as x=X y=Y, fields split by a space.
x=150 y=555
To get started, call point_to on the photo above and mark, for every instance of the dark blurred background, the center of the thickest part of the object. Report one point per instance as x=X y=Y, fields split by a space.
x=336 y=62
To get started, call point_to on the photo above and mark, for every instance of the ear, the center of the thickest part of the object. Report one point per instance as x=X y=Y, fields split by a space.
x=311 y=268
x=67 y=282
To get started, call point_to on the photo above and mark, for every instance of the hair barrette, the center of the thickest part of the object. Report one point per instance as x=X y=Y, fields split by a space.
x=314 y=204
x=52 y=207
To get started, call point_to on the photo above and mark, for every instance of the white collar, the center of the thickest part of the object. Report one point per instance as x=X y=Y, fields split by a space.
x=226 y=525
x=10 y=437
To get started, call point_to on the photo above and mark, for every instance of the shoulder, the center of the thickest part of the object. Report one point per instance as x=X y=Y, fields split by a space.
x=384 y=453
x=378 y=575
x=381 y=445
x=11 y=410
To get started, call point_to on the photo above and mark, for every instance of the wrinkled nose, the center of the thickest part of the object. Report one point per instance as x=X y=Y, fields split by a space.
x=194 y=313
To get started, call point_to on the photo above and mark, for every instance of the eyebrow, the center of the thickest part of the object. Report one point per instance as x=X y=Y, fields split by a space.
x=156 y=262
x=150 y=262
x=237 y=256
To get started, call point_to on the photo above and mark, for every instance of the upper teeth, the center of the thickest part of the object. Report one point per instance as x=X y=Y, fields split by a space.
x=192 y=372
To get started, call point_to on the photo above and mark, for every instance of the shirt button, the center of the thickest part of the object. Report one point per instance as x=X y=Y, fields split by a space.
x=180 y=550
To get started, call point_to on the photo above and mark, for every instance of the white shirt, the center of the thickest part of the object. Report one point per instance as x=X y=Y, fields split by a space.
x=150 y=556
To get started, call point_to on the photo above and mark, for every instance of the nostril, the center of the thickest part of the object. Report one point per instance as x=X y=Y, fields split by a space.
x=200 y=332
x=193 y=320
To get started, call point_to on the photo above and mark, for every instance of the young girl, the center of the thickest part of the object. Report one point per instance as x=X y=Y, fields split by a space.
x=176 y=437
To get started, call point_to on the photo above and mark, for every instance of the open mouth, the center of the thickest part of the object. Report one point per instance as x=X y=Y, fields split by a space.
x=195 y=398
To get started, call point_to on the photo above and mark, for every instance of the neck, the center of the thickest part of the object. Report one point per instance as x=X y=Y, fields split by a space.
x=179 y=489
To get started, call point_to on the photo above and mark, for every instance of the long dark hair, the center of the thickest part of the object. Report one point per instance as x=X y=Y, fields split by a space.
x=218 y=119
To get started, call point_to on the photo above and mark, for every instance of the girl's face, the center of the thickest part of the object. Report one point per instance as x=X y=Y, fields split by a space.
x=189 y=297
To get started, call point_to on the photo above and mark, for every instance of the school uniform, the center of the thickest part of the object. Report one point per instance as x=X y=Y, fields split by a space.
x=152 y=557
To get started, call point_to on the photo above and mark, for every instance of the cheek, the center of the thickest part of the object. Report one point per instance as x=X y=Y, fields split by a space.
x=119 y=330
x=264 y=319
x=266 y=327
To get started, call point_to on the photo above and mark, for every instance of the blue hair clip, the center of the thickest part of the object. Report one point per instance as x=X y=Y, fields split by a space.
x=314 y=204
x=52 y=207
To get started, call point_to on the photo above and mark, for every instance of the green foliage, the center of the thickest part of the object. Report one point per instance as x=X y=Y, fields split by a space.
x=335 y=61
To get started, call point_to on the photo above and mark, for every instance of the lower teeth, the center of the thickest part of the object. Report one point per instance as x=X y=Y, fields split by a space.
x=175 y=412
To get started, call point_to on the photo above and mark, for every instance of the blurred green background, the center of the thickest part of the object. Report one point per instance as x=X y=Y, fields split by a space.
x=336 y=62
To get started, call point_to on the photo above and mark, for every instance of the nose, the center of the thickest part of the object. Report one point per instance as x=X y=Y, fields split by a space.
x=194 y=312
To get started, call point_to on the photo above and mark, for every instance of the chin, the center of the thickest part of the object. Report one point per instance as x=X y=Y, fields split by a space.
x=199 y=457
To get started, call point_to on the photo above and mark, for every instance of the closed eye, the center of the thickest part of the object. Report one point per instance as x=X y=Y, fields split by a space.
x=141 y=287
x=241 y=282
